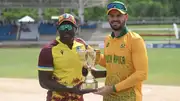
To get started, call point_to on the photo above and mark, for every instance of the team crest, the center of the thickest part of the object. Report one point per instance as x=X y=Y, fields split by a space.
x=122 y=45
x=107 y=45
x=78 y=48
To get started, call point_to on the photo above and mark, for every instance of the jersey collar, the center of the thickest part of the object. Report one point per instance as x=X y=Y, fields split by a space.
x=123 y=32
x=74 y=43
x=62 y=44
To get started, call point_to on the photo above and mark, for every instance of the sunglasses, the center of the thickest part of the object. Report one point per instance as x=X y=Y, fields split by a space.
x=65 y=27
x=116 y=5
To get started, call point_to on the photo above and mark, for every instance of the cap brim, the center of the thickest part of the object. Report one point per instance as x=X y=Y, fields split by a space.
x=68 y=21
x=122 y=12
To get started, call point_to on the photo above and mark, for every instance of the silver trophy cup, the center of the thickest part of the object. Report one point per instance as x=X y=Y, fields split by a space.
x=88 y=58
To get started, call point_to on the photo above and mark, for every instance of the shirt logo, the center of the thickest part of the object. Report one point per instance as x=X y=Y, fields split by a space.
x=122 y=45
x=107 y=45
x=62 y=52
x=115 y=59
x=78 y=48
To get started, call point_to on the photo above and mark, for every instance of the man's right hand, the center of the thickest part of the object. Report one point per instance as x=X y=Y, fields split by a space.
x=79 y=91
x=98 y=73
x=53 y=85
x=98 y=55
x=85 y=91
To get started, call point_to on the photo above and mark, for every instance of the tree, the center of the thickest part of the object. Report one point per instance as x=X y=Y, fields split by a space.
x=95 y=13
x=136 y=8
x=14 y=14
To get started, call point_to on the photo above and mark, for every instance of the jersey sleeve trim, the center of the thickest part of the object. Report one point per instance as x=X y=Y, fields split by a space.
x=43 y=68
x=45 y=62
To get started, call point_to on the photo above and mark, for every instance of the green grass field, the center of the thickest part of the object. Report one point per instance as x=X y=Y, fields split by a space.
x=164 y=64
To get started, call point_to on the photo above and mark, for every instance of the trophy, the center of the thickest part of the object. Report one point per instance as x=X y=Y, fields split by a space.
x=88 y=58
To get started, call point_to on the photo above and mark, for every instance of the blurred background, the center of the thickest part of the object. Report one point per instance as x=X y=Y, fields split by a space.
x=25 y=20
x=26 y=25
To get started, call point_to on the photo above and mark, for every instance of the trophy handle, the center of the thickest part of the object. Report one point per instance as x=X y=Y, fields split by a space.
x=89 y=75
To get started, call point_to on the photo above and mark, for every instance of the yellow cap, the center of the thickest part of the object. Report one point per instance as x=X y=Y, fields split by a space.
x=66 y=17
x=116 y=5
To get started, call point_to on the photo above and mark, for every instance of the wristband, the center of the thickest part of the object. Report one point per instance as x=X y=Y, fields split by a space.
x=114 y=88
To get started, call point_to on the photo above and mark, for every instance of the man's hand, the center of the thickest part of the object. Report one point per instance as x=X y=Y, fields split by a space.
x=78 y=90
x=85 y=91
x=84 y=71
x=98 y=54
x=98 y=73
x=104 y=90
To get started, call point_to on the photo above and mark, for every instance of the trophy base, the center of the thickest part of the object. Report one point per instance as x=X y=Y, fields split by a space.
x=89 y=84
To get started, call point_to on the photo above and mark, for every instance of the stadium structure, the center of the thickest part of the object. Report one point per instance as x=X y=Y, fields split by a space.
x=40 y=4
x=44 y=29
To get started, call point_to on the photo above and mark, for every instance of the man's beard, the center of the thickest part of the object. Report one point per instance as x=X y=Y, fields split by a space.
x=118 y=28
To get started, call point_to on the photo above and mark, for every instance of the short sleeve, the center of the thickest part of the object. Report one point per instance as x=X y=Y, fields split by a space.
x=45 y=62
x=82 y=42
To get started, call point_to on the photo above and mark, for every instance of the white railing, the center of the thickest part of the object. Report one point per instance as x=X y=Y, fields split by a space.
x=174 y=28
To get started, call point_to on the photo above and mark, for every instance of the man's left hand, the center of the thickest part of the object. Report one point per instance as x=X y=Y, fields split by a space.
x=104 y=90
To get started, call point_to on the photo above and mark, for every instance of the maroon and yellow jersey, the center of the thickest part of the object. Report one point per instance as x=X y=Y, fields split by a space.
x=125 y=59
x=65 y=64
